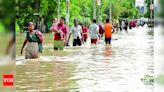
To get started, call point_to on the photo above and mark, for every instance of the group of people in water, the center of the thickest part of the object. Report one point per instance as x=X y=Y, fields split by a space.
x=79 y=33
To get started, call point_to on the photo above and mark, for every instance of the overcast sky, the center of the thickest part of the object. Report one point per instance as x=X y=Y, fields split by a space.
x=139 y=0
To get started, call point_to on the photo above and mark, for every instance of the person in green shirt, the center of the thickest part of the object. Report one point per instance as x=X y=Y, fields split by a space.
x=33 y=38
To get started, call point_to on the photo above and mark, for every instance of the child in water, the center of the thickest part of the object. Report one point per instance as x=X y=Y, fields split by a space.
x=54 y=28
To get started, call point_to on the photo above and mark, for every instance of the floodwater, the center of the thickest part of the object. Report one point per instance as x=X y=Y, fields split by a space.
x=158 y=58
x=92 y=68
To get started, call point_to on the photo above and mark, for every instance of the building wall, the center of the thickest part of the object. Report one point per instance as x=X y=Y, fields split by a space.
x=141 y=6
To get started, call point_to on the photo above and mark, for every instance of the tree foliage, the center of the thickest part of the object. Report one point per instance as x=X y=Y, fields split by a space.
x=79 y=9
x=148 y=3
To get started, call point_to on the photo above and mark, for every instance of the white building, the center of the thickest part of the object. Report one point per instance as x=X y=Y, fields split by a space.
x=141 y=6
x=140 y=3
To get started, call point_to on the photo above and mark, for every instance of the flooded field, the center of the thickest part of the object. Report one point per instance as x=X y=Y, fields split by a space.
x=90 y=68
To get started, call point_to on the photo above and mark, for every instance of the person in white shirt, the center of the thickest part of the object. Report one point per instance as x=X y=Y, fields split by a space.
x=122 y=24
x=76 y=32
x=94 y=32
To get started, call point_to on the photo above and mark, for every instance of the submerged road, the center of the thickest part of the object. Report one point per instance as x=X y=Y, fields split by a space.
x=115 y=68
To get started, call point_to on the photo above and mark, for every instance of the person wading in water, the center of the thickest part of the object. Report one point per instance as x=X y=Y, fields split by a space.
x=76 y=32
x=34 y=41
x=60 y=35
x=94 y=32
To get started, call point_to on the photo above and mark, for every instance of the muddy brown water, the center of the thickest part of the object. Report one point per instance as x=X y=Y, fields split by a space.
x=100 y=68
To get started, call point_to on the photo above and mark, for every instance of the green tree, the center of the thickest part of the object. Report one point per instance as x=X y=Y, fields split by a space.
x=148 y=3
x=81 y=10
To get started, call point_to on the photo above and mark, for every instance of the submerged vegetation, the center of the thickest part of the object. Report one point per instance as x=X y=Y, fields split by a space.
x=160 y=79
x=148 y=80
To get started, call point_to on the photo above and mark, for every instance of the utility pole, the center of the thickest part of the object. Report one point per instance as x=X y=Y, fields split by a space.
x=99 y=4
x=36 y=14
x=151 y=7
x=151 y=12
x=67 y=12
x=58 y=10
x=94 y=9
x=67 y=19
x=110 y=10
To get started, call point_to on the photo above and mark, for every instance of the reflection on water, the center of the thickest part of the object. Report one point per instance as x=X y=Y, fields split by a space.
x=114 y=68
x=44 y=76
x=108 y=51
x=158 y=58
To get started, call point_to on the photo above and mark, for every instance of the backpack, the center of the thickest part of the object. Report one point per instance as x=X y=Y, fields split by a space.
x=40 y=43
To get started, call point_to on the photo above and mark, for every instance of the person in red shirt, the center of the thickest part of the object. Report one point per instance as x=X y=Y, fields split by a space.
x=101 y=31
x=84 y=32
x=59 y=42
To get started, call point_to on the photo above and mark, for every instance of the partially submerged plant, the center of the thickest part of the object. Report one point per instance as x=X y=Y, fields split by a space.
x=148 y=80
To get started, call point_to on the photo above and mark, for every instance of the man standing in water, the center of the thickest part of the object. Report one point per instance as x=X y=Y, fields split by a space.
x=122 y=25
x=60 y=40
x=126 y=26
x=76 y=32
x=108 y=32
x=94 y=32
x=54 y=27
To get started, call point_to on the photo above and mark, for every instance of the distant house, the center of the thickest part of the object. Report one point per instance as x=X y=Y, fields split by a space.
x=141 y=6
x=157 y=6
